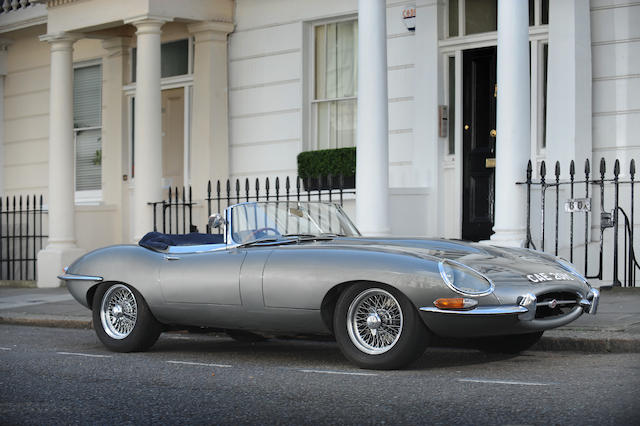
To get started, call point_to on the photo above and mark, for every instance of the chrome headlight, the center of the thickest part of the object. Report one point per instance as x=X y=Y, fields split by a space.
x=464 y=280
x=570 y=268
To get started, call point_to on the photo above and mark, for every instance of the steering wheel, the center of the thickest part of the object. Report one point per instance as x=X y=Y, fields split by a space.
x=263 y=232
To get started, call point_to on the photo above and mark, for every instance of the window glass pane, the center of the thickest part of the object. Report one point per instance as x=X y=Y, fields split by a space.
x=174 y=58
x=88 y=160
x=87 y=96
x=322 y=120
x=531 y=13
x=453 y=18
x=331 y=72
x=452 y=105
x=347 y=118
x=544 y=13
x=346 y=58
x=321 y=62
x=481 y=16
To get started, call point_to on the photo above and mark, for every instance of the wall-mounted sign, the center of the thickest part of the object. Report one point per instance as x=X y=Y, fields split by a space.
x=409 y=17
x=575 y=205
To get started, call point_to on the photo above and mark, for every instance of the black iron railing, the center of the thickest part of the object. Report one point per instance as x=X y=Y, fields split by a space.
x=331 y=189
x=21 y=236
x=582 y=207
x=174 y=211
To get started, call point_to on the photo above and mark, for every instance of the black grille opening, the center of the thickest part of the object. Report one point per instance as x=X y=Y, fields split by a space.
x=555 y=304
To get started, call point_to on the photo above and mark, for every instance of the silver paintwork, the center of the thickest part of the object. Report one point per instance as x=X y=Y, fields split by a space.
x=289 y=286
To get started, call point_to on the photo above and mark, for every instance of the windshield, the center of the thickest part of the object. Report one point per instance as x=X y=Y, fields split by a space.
x=281 y=220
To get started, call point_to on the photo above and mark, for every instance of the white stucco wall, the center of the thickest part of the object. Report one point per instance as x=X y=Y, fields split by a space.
x=268 y=78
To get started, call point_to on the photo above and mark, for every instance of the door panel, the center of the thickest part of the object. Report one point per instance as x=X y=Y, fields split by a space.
x=203 y=278
x=479 y=123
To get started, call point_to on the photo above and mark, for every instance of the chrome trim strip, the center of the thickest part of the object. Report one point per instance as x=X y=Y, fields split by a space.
x=74 y=277
x=528 y=301
x=482 y=310
x=595 y=299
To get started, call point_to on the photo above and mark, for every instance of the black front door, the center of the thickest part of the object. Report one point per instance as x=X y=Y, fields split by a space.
x=479 y=142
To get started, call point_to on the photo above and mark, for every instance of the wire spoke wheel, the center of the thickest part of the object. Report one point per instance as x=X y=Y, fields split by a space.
x=118 y=311
x=374 y=321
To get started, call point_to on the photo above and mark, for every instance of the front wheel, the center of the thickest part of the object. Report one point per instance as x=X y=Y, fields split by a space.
x=378 y=328
x=122 y=320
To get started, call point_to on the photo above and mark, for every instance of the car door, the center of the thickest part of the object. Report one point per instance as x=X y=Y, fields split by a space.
x=202 y=278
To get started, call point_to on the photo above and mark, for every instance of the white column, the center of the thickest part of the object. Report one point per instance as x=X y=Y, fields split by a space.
x=210 y=118
x=4 y=44
x=115 y=140
x=372 y=166
x=569 y=127
x=513 y=122
x=148 y=124
x=61 y=249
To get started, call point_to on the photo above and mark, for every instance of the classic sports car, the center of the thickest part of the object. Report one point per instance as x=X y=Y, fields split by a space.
x=303 y=268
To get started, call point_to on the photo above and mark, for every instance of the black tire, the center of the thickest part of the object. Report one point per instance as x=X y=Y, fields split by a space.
x=245 y=336
x=403 y=341
x=510 y=344
x=114 y=304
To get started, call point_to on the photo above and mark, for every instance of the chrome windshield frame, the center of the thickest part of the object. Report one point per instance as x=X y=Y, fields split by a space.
x=228 y=232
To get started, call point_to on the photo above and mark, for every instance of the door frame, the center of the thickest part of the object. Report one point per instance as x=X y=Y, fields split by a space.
x=455 y=47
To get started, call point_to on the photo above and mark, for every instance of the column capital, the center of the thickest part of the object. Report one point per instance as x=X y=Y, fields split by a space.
x=148 y=24
x=116 y=44
x=211 y=30
x=61 y=41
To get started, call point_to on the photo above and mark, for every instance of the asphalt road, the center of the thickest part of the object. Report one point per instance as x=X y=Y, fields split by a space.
x=65 y=376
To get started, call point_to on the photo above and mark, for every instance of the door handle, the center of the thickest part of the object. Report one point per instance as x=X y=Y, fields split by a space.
x=492 y=133
x=172 y=258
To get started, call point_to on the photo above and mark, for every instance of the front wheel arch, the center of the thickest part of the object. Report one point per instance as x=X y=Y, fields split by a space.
x=328 y=305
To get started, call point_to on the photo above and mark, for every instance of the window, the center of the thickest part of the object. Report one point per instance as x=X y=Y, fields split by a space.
x=466 y=17
x=87 y=123
x=334 y=105
x=174 y=59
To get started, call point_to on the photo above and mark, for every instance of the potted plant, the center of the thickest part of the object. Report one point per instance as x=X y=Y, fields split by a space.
x=324 y=168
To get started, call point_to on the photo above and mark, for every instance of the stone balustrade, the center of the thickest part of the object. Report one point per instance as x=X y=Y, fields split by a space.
x=15 y=5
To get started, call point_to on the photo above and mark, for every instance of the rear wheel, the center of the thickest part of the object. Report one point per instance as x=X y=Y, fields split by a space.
x=378 y=327
x=122 y=320
x=510 y=344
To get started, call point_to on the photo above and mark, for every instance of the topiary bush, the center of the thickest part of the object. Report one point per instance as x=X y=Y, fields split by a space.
x=314 y=167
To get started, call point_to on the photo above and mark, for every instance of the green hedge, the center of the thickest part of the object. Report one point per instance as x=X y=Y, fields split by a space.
x=336 y=162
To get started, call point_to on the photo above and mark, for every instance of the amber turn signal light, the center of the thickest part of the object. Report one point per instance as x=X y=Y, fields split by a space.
x=460 y=303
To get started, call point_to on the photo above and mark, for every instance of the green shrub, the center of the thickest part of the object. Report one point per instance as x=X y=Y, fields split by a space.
x=335 y=162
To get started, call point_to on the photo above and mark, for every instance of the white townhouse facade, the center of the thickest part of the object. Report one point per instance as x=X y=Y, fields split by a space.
x=106 y=103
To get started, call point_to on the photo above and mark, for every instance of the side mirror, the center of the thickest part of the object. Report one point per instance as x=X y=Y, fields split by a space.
x=216 y=221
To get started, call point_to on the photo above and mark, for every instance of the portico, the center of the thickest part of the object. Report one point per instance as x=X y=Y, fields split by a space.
x=71 y=21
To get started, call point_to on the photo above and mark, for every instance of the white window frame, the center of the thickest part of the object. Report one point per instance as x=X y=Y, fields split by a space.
x=185 y=82
x=312 y=144
x=87 y=197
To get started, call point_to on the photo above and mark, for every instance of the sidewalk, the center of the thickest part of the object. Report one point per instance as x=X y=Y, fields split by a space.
x=616 y=327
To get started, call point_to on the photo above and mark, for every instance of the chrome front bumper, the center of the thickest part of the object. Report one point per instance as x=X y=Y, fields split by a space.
x=525 y=309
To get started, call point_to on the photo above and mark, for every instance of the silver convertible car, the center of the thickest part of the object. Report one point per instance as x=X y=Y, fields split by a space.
x=302 y=268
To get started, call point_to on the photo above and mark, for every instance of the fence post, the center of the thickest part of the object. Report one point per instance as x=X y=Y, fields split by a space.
x=587 y=172
x=557 y=172
x=572 y=175
x=543 y=191
x=603 y=170
x=529 y=174
x=616 y=184
x=632 y=255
